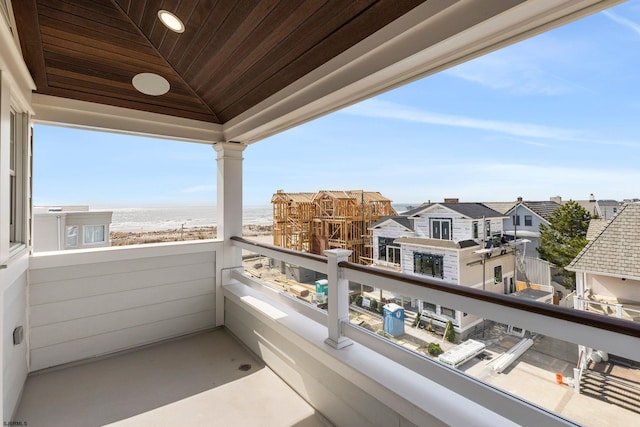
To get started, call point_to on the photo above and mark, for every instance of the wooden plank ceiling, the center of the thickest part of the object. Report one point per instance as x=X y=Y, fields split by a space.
x=232 y=55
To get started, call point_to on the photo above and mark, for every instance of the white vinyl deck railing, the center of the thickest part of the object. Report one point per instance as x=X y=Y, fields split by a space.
x=618 y=336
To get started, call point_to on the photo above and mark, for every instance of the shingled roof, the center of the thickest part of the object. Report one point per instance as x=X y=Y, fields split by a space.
x=543 y=209
x=470 y=210
x=473 y=210
x=595 y=227
x=400 y=219
x=616 y=250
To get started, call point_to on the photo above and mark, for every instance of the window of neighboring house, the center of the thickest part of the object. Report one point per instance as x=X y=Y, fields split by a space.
x=393 y=254
x=93 y=234
x=474 y=228
x=387 y=250
x=72 y=235
x=487 y=226
x=427 y=306
x=449 y=312
x=428 y=264
x=441 y=229
x=528 y=220
x=515 y=219
x=497 y=274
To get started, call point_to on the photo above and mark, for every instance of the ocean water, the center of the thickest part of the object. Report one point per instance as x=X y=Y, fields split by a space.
x=155 y=219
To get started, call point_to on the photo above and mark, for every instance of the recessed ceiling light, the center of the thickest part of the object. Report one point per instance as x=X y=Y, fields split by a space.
x=171 y=21
x=150 y=84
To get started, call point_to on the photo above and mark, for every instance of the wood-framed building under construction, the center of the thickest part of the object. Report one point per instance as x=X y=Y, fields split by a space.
x=314 y=222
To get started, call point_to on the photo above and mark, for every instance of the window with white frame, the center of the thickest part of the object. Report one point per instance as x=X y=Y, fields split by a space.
x=441 y=229
x=72 y=235
x=93 y=234
x=449 y=312
x=528 y=220
x=428 y=306
x=387 y=250
x=17 y=135
x=13 y=134
x=515 y=219
x=474 y=228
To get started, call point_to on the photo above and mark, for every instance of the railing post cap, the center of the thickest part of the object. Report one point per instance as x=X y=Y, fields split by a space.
x=338 y=253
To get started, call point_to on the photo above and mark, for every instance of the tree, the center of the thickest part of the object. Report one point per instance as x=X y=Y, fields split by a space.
x=565 y=236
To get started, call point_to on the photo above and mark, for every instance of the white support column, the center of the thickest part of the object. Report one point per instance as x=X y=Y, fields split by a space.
x=229 y=214
x=5 y=105
x=338 y=299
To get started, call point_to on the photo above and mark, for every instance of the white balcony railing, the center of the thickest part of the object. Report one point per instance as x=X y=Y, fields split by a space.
x=619 y=337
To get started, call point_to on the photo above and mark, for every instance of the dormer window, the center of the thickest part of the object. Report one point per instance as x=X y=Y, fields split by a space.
x=441 y=229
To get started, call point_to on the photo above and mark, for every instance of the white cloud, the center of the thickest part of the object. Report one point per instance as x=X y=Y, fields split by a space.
x=523 y=141
x=525 y=69
x=622 y=21
x=519 y=130
x=388 y=110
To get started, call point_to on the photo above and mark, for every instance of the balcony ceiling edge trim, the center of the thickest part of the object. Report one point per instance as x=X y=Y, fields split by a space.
x=403 y=51
x=13 y=60
x=54 y=110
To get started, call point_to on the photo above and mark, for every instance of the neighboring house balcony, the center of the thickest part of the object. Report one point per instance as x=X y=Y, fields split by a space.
x=609 y=306
x=88 y=305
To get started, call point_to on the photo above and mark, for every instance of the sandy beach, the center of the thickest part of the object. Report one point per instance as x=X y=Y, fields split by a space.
x=261 y=233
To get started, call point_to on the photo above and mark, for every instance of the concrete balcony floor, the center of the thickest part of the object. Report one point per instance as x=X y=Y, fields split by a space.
x=199 y=380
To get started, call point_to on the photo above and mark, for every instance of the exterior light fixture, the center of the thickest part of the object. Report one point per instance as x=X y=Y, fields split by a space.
x=171 y=21
x=150 y=84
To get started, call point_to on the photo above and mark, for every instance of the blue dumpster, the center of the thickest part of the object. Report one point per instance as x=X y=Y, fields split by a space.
x=393 y=319
x=322 y=290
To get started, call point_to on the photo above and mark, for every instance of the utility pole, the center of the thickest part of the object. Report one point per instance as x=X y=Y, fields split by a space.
x=484 y=242
x=515 y=247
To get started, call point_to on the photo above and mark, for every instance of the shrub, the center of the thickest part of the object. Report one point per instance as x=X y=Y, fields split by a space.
x=449 y=333
x=416 y=321
x=359 y=300
x=374 y=305
x=434 y=349
x=430 y=326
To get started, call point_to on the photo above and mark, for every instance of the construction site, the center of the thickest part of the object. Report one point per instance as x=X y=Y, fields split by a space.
x=315 y=222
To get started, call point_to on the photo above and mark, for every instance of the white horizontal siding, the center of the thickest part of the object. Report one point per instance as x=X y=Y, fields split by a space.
x=109 y=300
x=14 y=357
x=393 y=230
x=449 y=261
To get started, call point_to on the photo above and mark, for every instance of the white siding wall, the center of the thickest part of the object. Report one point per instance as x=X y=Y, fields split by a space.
x=393 y=230
x=45 y=233
x=93 y=302
x=14 y=357
x=461 y=227
x=534 y=227
x=422 y=224
x=450 y=261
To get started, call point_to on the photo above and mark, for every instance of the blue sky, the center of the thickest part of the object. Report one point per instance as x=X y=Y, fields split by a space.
x=558 y=114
